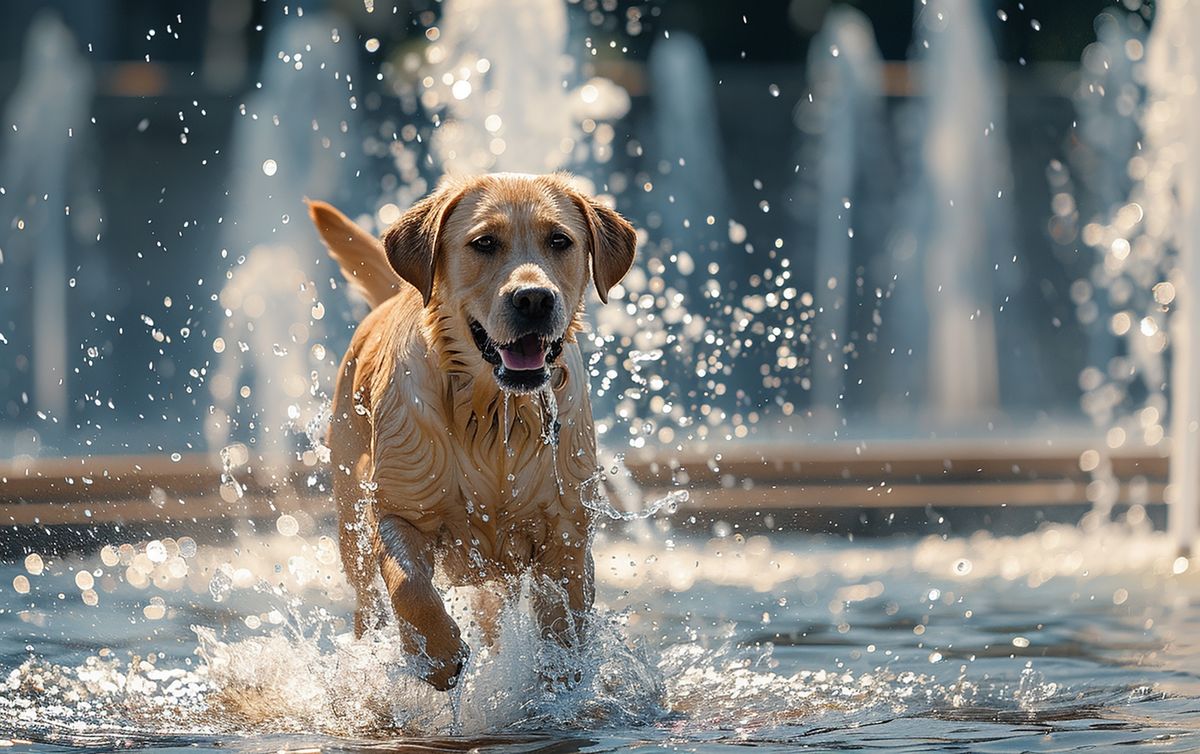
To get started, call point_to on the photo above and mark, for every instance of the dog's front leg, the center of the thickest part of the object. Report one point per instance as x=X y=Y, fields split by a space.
x=406 y=563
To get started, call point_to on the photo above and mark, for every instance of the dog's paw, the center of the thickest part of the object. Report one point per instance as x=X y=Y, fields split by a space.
x=444 y=674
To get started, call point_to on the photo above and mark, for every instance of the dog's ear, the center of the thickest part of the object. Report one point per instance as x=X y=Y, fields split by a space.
x=412 y=241
x=612 y=246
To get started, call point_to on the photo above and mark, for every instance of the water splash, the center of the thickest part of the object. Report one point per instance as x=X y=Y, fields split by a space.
x=630 y=495
x=1144 y=250
x=548 y=412
x=301 y=671
x=232 y=456
x=500 y=75
x=270 y=349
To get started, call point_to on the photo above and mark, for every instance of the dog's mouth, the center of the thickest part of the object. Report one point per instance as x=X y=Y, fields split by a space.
x=521 y=365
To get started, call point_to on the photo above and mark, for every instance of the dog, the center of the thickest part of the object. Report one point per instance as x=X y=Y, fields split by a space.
x=462 y=409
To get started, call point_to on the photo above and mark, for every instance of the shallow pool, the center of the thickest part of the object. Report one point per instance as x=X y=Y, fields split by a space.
x=1056 y=641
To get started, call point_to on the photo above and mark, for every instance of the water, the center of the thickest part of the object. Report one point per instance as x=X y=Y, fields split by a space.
x=964 y=166
x=688 y=141
x=238 y=636
x=44 y=168
x=510 y=102
x=1053 y=641
x=296 y=137
x=847 y=72
x=1146 y=267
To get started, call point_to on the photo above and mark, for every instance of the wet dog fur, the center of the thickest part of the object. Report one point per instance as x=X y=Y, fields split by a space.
x=443 y=441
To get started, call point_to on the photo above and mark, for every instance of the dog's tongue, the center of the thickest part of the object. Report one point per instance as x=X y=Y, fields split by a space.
x=525 y=353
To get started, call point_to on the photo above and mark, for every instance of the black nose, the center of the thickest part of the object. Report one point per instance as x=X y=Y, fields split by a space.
x=534 y=303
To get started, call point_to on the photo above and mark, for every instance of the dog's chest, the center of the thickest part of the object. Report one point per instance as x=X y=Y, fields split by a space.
x=505 y=481
x=520 y=493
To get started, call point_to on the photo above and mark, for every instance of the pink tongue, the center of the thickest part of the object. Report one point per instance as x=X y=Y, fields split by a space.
x=526 y=353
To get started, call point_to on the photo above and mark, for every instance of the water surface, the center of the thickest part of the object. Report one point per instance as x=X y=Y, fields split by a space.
x=1056 y=641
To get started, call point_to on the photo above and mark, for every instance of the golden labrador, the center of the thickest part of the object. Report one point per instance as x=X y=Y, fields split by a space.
x=462 y=432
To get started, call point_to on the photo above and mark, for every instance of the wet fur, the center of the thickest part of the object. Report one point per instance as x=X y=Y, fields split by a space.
x=418 y=414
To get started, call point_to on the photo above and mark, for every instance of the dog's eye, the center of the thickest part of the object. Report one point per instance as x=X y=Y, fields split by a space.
x=559 y=241
x=485 y=244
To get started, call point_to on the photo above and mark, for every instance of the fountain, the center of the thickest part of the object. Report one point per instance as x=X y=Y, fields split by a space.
x=686 y=139
x=295 y=137
x=500 y=73
x=1170 y=199
x=846 y=69
x=1106 y=99
x=1148 y=271
x=43 y=121
x=748 y=634
x=963 y=162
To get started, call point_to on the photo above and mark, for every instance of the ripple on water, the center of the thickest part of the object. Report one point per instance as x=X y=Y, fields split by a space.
x=694 y=657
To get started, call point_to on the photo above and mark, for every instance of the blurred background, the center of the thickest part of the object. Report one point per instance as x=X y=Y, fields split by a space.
x=861 y=221
x=905 y=267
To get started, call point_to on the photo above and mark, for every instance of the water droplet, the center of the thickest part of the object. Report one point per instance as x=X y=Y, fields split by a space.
x=34 y=564
x=287 y=525
x=220 y=584
x=156 y=610
x=156 y=551
x=269 y=167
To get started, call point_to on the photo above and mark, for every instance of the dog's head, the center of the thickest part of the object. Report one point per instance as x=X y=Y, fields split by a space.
x=509 y=256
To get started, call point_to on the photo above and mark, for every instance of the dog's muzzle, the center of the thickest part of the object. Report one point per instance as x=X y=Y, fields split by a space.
x=522 y=365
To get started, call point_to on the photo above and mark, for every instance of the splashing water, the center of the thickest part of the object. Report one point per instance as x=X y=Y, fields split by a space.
x=765 y=639
x=502 y=92
x=1145 y=246
x=270 y=355
x=548 y=412
x=599 y=503
x=232 y=457
x=369 y=686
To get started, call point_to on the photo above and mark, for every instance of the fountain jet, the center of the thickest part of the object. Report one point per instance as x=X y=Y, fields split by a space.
x=1169 y=122
x=847 y=74
x=296 y=137
x=502 y=79
x=962 y=155
x=685 y=129
x=46 y=112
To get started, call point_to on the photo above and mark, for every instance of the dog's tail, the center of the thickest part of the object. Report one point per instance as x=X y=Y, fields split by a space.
x=360 y=255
